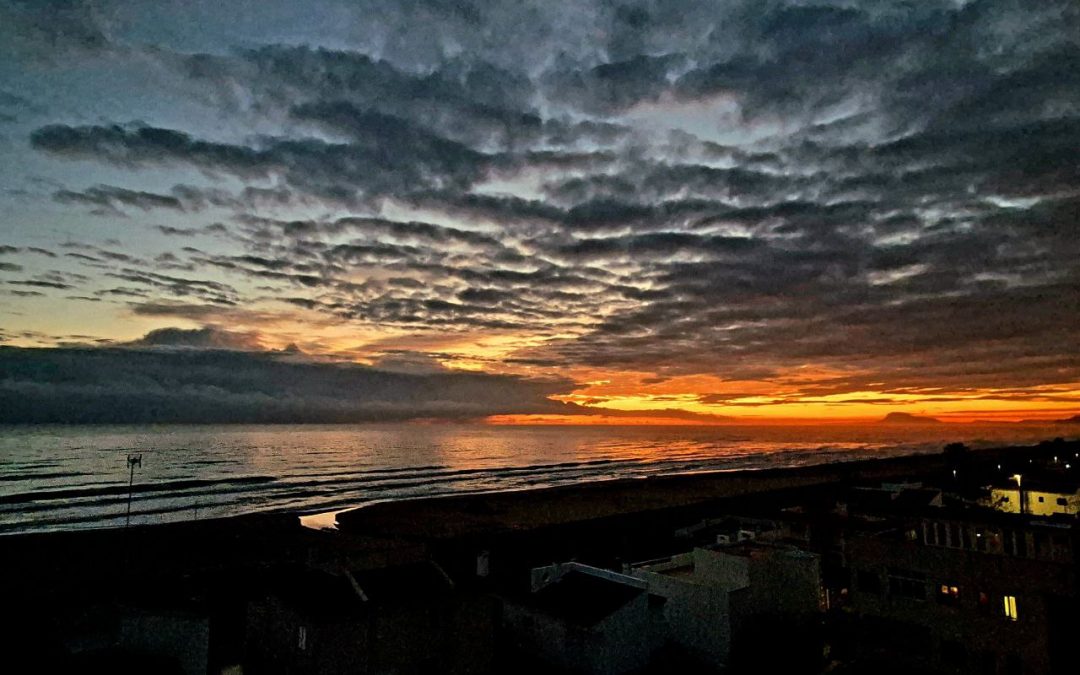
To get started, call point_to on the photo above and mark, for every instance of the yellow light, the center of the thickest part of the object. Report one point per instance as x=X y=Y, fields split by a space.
x=1010 y=607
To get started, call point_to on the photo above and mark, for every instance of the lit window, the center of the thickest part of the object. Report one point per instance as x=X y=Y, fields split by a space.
x=1010 y=607
x=948 y=594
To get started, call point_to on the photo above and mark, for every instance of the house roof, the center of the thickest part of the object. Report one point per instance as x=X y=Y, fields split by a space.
x=1051 y=484
x=863 y=499
x=404 y=583
x=583 y=599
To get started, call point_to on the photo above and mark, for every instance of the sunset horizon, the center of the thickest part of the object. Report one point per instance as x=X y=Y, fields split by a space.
x=573 y=337
x=797 y=212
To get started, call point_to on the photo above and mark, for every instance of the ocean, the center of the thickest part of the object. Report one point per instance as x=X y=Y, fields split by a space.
x=67 y=477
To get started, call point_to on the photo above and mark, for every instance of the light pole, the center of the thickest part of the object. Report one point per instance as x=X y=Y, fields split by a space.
x=132 y=462
x=1019 y=490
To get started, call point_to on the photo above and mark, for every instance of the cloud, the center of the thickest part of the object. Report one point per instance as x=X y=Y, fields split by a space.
x=53 y=30
x=106 y=199
x=140 y=385
x=687 y=187
x=388 y=156
x=41 y=284
x=409 y=362
x=199 y=338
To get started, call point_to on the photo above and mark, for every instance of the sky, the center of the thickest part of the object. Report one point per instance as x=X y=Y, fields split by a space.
x=529 y=212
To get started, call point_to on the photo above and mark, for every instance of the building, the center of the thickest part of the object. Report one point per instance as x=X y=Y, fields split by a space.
x=1036 y=497
x=170 y=639
x=720 y=600
x=581 y=619
x=403 y=619
x=972 y=591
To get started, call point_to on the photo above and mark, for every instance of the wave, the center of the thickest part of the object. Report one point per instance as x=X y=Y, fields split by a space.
x=139 y=488
x=203 y=472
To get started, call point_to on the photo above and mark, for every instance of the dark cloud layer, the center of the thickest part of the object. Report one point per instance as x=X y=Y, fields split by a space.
x=108 y=200
x=886 y=190
x=136 y=384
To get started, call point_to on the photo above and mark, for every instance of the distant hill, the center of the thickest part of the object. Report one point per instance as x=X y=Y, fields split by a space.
x=908 y=418
x=1075 y=419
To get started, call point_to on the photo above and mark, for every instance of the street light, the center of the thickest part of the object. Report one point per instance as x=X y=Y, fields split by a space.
x=132 y=462
x=1019 y=489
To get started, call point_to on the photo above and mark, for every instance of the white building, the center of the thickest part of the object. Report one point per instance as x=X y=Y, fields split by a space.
x=714 y=596
x=1037 y=500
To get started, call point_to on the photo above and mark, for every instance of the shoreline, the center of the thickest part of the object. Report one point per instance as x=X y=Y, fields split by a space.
x=338 y=505
x=230 y=556
x=83 y=562
x=534 y=508
x=757 y=479
x=658 y=491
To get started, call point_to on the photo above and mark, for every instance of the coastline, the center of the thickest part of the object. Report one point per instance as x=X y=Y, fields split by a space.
x=258 y=539
x=76 y=478
x=526 y=508
x=212 y=572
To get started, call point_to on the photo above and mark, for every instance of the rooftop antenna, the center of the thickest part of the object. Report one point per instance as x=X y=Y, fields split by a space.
x=132 y=462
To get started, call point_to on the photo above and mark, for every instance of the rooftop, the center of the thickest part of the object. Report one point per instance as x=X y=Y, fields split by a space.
x=582 y=599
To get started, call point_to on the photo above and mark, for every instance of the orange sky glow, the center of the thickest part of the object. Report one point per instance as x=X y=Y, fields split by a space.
x=692 y=217
x=616 y=398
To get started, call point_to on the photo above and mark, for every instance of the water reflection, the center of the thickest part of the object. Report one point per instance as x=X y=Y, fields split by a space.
x=63 y=477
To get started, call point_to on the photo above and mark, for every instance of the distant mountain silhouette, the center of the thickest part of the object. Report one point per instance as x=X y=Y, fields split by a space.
x=908 y=418
x=1075 y=419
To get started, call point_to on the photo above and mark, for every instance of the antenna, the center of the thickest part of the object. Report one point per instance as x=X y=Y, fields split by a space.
x=132 y=462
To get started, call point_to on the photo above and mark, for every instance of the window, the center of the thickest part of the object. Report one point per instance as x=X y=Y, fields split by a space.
x=908 y=588
x=1016 y=543
x=301 y=638
x=1021 y=544
x=1009 y=603
x=906 y=584
x=984 y=601
x=1059 y=548
x=948 y=594
x=1061 y=501
x=1041 y=500
x=1042 y=545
